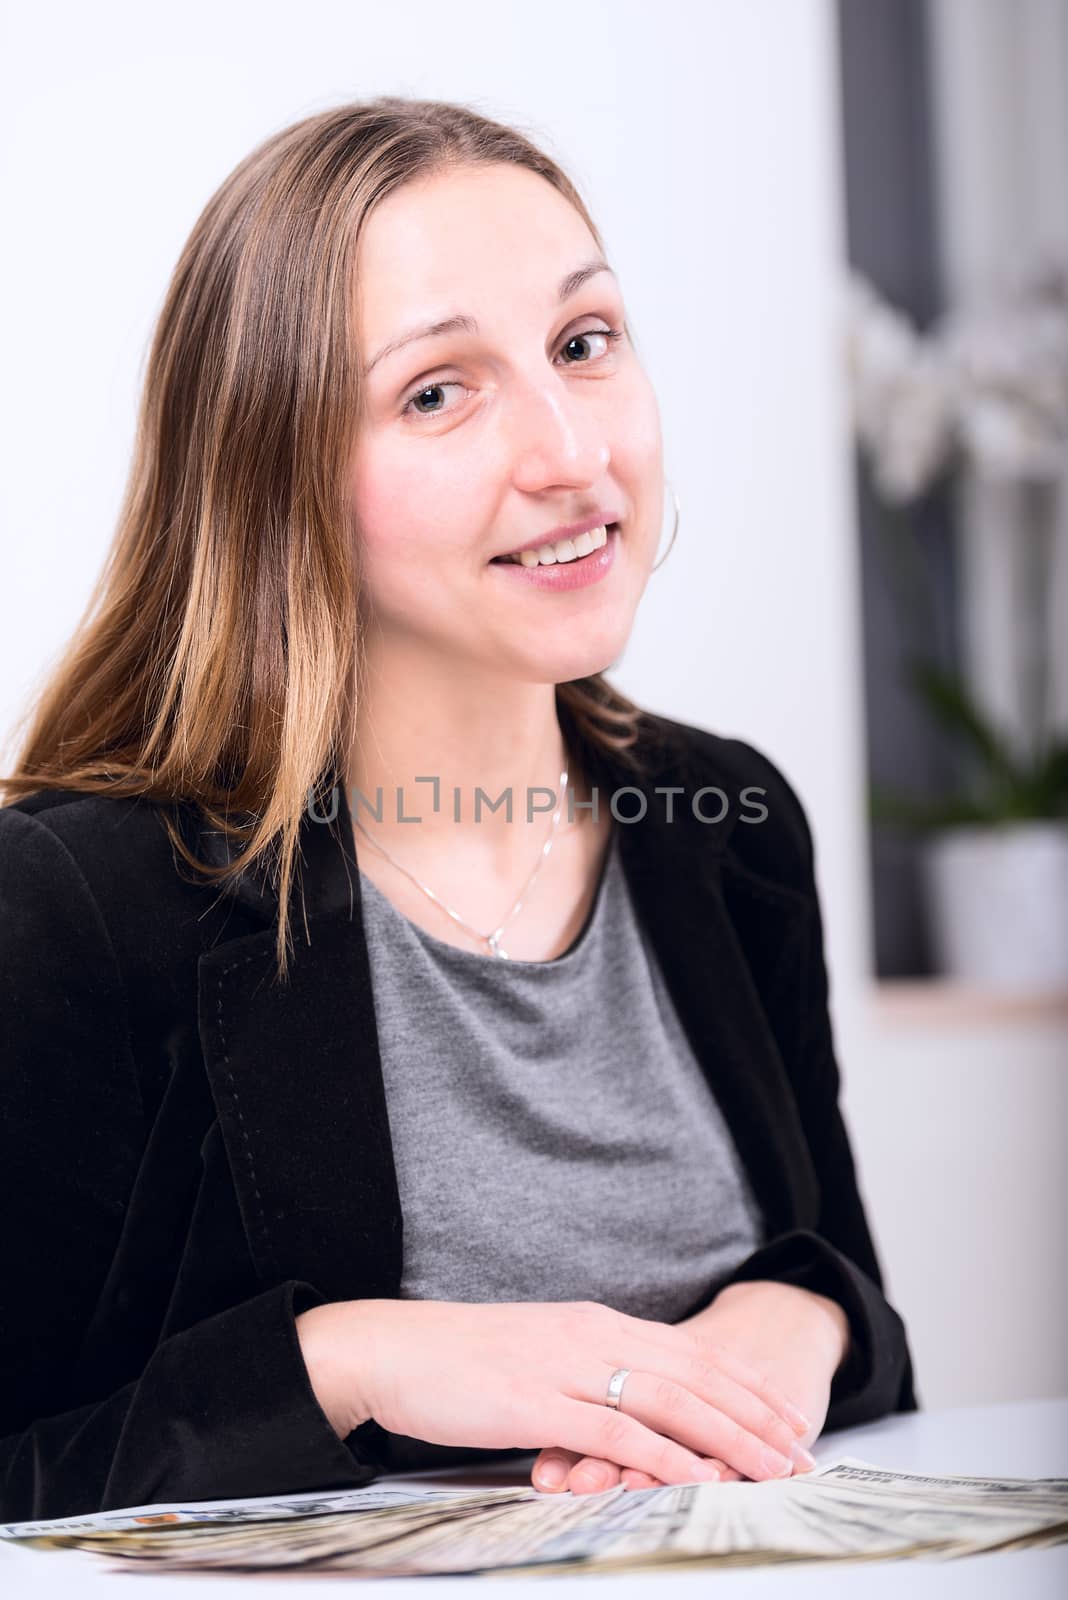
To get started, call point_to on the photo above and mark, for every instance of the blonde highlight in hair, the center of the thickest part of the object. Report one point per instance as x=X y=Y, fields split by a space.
x=218 y=660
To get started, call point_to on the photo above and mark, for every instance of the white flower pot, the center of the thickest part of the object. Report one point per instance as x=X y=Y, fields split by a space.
x=997 y=899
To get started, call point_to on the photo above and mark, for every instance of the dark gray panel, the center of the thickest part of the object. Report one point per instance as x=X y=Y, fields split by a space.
x=892 y=238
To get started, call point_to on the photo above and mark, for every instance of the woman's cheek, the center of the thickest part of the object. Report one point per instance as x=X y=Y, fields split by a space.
x=635 y=434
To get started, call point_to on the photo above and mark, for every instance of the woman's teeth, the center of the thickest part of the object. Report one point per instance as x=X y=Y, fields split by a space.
x=563 y=550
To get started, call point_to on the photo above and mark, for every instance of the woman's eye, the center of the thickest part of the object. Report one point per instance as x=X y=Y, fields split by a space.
x=428 y=388
x=611 y=334
x=412 y=405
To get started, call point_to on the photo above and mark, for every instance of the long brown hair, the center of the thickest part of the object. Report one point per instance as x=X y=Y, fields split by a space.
x=218 y=658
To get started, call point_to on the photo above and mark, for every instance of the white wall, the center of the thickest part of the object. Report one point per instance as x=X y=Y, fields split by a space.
x=705 y=139
x=962 y=1129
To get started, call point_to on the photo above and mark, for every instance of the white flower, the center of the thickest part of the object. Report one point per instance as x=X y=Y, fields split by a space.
x=988 y=384
x=902 y=395
x=1010 y=358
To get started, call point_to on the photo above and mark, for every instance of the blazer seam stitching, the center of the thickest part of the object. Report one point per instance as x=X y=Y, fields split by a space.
x=264 y=1230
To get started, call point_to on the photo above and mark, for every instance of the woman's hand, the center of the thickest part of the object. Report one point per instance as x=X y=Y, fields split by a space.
x=508 y=1376
x=793 y=1341
x=798 y=1337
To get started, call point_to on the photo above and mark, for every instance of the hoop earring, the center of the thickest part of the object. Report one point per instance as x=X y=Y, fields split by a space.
x=674 y=533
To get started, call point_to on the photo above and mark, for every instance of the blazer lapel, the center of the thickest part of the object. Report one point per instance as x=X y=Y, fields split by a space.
x=296 y=1074
x=297 y=1082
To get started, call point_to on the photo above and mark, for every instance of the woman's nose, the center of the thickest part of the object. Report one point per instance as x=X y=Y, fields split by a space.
x=558 y=436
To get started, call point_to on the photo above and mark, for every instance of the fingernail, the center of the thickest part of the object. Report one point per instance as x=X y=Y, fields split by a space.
x=776 y=1464
x=708 y=1472
x=552 y=1474
x=797 y=1421
x=802 y=1457
x=594 y=1478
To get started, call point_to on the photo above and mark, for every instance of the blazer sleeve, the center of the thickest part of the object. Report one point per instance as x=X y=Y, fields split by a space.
x=837 y=1258
x=223 y=1409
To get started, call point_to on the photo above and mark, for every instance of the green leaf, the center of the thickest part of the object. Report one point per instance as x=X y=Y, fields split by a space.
x=1027 y=794
x=952 y=708
x=896 y=809
x=1048 y=784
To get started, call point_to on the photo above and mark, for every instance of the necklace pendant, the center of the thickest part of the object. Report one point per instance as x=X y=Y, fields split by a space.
x=492 y=939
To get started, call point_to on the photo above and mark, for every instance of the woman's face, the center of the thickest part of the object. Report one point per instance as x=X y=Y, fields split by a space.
x=485 y=439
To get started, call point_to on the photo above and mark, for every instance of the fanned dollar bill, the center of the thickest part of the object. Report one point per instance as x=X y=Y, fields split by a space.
x=846 y=1510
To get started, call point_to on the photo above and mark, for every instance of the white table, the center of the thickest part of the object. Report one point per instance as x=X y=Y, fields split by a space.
x=1028 y=1440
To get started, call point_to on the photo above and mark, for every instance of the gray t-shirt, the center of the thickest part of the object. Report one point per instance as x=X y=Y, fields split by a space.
x=554 y=1136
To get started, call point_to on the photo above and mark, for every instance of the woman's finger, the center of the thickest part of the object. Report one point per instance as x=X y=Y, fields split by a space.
x=551 y=1469
x=726 y=1417
x=556 y=1470
x=613 y=1435
x=665 y=1336
x=709 y=1414
x=592 y=1475
x=760 y=1384
x=632 y=1479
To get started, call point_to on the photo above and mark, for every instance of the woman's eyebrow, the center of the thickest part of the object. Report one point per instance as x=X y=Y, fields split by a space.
x=568 y=286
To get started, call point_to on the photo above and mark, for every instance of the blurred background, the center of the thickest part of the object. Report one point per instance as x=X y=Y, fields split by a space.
x=842 y=232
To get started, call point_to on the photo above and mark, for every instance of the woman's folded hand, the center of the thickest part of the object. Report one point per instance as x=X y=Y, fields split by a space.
x=781 y=1342
x=511 y=1375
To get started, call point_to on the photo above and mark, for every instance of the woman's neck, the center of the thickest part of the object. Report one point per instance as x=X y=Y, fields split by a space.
x=455 y=764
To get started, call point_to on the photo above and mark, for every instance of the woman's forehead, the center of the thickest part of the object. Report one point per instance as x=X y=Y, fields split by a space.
x=500 y=233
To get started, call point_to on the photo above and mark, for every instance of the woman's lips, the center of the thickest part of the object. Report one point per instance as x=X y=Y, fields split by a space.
x=565 y=575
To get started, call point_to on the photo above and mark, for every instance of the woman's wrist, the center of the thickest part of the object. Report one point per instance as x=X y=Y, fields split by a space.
x=836 y=1315
x=828 y=1318
x=335 y=1352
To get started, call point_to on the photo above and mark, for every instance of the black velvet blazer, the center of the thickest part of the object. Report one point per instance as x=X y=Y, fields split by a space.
x=192 y=1154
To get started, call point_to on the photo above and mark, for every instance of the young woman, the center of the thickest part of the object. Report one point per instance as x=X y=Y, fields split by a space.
x=412 y=1049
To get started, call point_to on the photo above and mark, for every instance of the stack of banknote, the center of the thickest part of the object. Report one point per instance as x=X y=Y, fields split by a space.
x=845 y=1510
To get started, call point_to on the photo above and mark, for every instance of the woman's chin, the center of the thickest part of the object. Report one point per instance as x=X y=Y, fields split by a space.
x=567 y=664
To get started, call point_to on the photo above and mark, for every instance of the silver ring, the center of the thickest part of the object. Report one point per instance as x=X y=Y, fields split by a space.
x=615 y=1387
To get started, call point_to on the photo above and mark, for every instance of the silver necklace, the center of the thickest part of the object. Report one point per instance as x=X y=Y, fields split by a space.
x=492 y=939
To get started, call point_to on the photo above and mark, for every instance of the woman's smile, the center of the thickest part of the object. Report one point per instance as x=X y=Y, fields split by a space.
x=576 y=571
